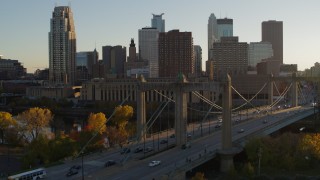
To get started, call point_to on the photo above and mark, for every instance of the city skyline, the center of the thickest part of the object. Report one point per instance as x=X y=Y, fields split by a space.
x=25 y=25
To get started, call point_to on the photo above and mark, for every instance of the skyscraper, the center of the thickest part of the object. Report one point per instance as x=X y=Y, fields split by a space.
x=258 y=51
x=158 y=22
x=230 y=56
x=218 y=28
x=175 y=53
x=197 y=53
x=272 y=31
x=62 y=47
x=114 y=58
x=148 y=49
x=212 y=33
x=225 y=28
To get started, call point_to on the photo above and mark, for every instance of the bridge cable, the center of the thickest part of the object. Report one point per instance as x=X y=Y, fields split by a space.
x=234 y=109
x=206 y=100
x=245 y=99
x=281 y=96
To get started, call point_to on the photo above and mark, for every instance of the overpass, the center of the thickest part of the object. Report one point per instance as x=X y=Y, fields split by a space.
x=176 y=162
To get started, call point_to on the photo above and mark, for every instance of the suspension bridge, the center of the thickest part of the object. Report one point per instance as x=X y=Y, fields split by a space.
x=205 y=137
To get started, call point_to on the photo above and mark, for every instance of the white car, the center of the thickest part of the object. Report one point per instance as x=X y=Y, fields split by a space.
x=154 y=163
x=240 y=130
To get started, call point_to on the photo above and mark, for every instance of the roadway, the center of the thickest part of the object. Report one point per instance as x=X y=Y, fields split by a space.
x=136 y=167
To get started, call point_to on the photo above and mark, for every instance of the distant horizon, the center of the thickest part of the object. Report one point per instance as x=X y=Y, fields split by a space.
x=25 y=25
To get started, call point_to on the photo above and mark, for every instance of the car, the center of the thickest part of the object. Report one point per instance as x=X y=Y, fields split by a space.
x=189 y=136
x=109 y=163
x=154 y=163
x=148 y=149
x=138 y=149
x=217 y=126
x=241 y=131
x=125 y=151
x=163 y=141
x=172 y=136
x=264 y=121
x=185 y=146
x=75 y=167
x=72 y=172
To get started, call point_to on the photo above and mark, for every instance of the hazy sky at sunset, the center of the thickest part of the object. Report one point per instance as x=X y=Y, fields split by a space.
x=24 y=24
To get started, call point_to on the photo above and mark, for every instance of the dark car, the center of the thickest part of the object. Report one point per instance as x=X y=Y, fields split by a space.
x=218 y=126
x=138 y=149
x=163 y=141
x=77 y=167
x=185 y=146
x=72 y=172
x=172 y=136
x=109 y=163
x=148 y=149
x=125 y=150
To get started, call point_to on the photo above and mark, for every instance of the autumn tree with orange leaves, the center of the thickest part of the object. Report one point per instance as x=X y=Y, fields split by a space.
x=34 y=120
x=6 y=122
x=97 y=122
x=118 y=134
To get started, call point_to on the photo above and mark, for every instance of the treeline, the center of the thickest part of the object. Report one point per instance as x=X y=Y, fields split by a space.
x=29 y=130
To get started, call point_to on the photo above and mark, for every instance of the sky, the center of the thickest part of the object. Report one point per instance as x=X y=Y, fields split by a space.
x=24 y=25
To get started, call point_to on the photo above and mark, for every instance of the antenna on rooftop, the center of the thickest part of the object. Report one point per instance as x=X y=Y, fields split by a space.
x=56 y=4
x=69 y=3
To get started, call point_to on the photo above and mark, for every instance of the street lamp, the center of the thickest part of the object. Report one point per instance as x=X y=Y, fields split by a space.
x=259 y=160
x=82 y=166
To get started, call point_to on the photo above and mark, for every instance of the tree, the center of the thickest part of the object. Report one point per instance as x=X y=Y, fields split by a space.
x=97 y=122
x=122 y=115
x=6 y=121
x=198 y=176
x=34 y=121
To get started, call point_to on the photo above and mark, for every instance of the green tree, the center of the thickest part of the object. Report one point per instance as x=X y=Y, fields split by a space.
x=6 y=122
x=37 y=152
x=35 y=120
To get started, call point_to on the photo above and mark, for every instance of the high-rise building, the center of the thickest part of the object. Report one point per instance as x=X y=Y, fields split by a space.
x=175 y=54
x=225 y=28
x=11 y=69
x=148 y=49
x=218 y=28
x=62 y=47
x=258 y=51
x=114 y=58
x=158 y=22
x=212 y=32
x=272 y=31
x=197 y=53
x=85 y=62
x=132 y=52
x=229 y=56
x=134 y=67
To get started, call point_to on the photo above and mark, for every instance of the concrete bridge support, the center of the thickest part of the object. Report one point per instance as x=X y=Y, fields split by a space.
x=141 y=111
x=180 y=116
x=227 y=151
x=294 y=94
x=270 y=90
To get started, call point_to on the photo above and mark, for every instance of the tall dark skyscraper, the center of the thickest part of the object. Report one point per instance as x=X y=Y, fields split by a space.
x=62 y=47
x=175 y=53
x=114 y=58
x=272 y=31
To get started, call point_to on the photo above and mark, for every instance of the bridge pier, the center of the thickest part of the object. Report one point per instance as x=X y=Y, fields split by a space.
x=141 y=110
x=227 y=152
x=270 y=90
x=180 y=114
x=294 y=94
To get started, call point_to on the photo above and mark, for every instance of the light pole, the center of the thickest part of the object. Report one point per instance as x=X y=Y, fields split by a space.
x=259 y=159
x=82 y=165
